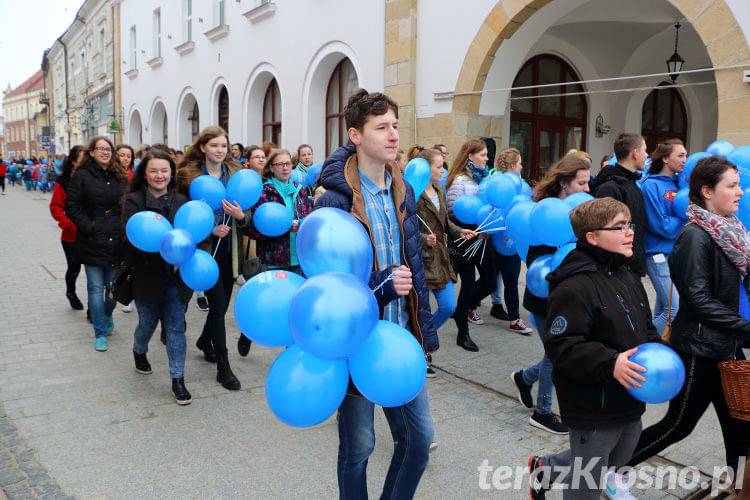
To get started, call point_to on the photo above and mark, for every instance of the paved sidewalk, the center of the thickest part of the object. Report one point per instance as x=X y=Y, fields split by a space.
x=78 y=423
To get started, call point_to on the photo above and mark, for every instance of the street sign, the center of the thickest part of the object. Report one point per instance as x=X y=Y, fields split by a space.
x=113 y=127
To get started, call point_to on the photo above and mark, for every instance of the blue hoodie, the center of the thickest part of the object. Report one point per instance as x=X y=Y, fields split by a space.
x=662 y=225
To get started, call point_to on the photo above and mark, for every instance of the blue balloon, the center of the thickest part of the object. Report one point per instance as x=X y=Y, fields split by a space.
x=613 y=160
x=200 y=272
x=720 y=148
x=465 y=208
x=525 y=188
x=576 y=199
x=682 y=181
x=522 y=249
x=313 y=174
x=743 y=212
x=482 y=193
x=680 y=202
x=297 y=177
x=332 y=314
x=389 y=370
x=418 y=173
x=561 y=253
x=196 y=217
x=272 y=219
x=302 y=390
x=209 y=189
x=330 y=239
x=665 y=373
x=177 y=246
x=517 y=222
x=503 y=244
x=550 y=222
x=490 y=219
x=500 y=190
x=261 y=307
x=517 y=181
x=517 y=199
x=145 y=229
x=740 y=157
x=244 y=187
x=444 y=177
x=690 y=163
x=536 y=276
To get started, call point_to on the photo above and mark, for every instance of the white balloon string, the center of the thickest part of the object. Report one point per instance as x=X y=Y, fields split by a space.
x=483 y=247
x=389 y=278
x=485 y=219
x=425 y=224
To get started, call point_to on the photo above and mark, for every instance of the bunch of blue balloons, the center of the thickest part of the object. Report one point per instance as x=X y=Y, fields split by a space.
x=329 y=322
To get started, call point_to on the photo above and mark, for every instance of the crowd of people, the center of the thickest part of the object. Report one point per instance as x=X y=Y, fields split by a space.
x=596 y=314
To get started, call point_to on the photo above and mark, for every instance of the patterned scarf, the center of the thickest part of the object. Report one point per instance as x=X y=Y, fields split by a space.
x=478 y=172
x=727 y=232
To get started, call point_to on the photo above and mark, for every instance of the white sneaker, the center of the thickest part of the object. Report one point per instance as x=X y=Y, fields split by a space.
x=128 y=308
x=616 y=487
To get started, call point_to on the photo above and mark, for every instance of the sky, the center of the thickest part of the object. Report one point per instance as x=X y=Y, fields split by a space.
x=28 y=27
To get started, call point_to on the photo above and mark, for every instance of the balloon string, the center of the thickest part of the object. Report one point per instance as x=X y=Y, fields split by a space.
x=223 y=223
x=425 y=224
x=485 y=219
x=389 y=278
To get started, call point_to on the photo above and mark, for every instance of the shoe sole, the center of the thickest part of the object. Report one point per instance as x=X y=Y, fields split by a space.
x=431 y=375
x=182 y=402
x=433 y=447
x=100 y=349
x=480 y=322
x=525 y=333
x=536 y=424
x=520 y=399
x=144 y=372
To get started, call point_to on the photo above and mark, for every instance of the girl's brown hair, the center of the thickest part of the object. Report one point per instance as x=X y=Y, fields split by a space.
x=190 y=165
x=564 y=170
x=507 y=157
x=662 y=151
x=417 y=151
x=132 y=154
x=266 y=172
x=112 y=165
x=472 y=146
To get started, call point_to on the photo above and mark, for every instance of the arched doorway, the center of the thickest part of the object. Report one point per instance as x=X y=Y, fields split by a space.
x=663 y=116
x=159 y=124
x=272 y=114
x=545 y=128
x=135 y=130
x=223 y=118
x=188 y=121
x=342 y=84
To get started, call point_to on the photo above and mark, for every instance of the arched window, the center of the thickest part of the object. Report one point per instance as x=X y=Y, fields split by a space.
x=224 y=109
x=272 y=114
x=663 y=116
x=341 y=86
x=545 y=128
x=195 y=127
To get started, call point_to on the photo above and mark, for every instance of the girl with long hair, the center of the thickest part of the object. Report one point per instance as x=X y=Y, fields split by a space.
x=468 y=170
x=126 y=157
x=93 y=205
x=208 y=156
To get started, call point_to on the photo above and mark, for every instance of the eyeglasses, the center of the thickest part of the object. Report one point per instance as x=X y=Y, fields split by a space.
x=104 y=150
x=258 y=157
x=282 y=164
x=623 y=229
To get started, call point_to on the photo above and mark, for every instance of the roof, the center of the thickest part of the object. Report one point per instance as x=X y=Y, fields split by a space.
x=35 y=82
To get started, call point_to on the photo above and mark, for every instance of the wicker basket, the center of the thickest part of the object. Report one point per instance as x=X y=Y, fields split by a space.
x=735 y=377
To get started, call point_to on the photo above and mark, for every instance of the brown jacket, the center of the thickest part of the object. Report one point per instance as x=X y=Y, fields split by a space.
x=437 y=264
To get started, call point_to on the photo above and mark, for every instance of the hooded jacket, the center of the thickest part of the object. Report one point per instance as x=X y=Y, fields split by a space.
x=437 y=263
x=619 y=183
x=662 y=224
x=340 y=177
x=597 y=308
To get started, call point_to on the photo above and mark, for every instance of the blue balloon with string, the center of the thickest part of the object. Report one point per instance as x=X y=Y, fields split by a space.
x=561 y=253
x=297 y=176
x=244 y=187
x=196 y=217
x=177 y=246
x=490 y=219
x=722 y=148
x=145 y=229
x=465 y=208
x=418 y=173
x=536 y=276
x=209 y=189
x=576 y=199
x=503 y=244
x=681 y=202
x=272 y=219
x=200 y=272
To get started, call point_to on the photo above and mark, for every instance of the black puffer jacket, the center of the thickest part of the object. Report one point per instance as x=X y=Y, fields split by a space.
x=93 y=205
x=597 y=308
x=708 y=323
x=618 y=182
x=150 y=269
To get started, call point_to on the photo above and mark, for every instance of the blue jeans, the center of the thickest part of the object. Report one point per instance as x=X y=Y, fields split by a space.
x=97 y=283
x=172 y=312
x=411 y=426
x=508 y=270
x=541 y=372
x=446 y=302
x=659 y=274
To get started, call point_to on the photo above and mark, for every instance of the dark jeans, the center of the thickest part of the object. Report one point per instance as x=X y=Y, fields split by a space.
x=218 y=297
x=509 y=268
x=2 y=182
x=473 y=290
x=702 y=388
x=74 y=268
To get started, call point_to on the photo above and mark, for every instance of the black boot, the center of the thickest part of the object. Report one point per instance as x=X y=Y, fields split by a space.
x=465 y=341
x=243 y=345
x=498 y=312
x=180 y=392
x=142 y=365
x=224 y=374
x=208 y=350
x=75 y=302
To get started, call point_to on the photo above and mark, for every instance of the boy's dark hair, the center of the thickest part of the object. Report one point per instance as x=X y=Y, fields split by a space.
x=625 y=143
x=362 y=105
x=595 y=213
x=707 y=172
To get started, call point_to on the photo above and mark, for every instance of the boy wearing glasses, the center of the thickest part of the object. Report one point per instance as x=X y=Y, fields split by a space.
x=598 y=314
x=364 y=180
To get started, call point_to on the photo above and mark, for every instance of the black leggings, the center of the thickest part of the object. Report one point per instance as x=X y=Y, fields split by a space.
x=218 y=298
x=473 y=291
x=702 y=387
x=74 y=268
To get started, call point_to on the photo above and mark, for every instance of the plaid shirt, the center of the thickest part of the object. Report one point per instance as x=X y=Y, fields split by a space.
x=381 y=212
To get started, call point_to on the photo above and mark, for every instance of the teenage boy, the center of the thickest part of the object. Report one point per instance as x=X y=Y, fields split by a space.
x=598 y=314
x=362 y=179
x=618 y=182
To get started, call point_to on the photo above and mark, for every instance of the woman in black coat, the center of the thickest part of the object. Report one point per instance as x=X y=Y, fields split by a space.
x=159 y=292
x=93 y=205
x=709 y=267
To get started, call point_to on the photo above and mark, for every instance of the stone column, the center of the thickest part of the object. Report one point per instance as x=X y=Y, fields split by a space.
x=401 y=63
